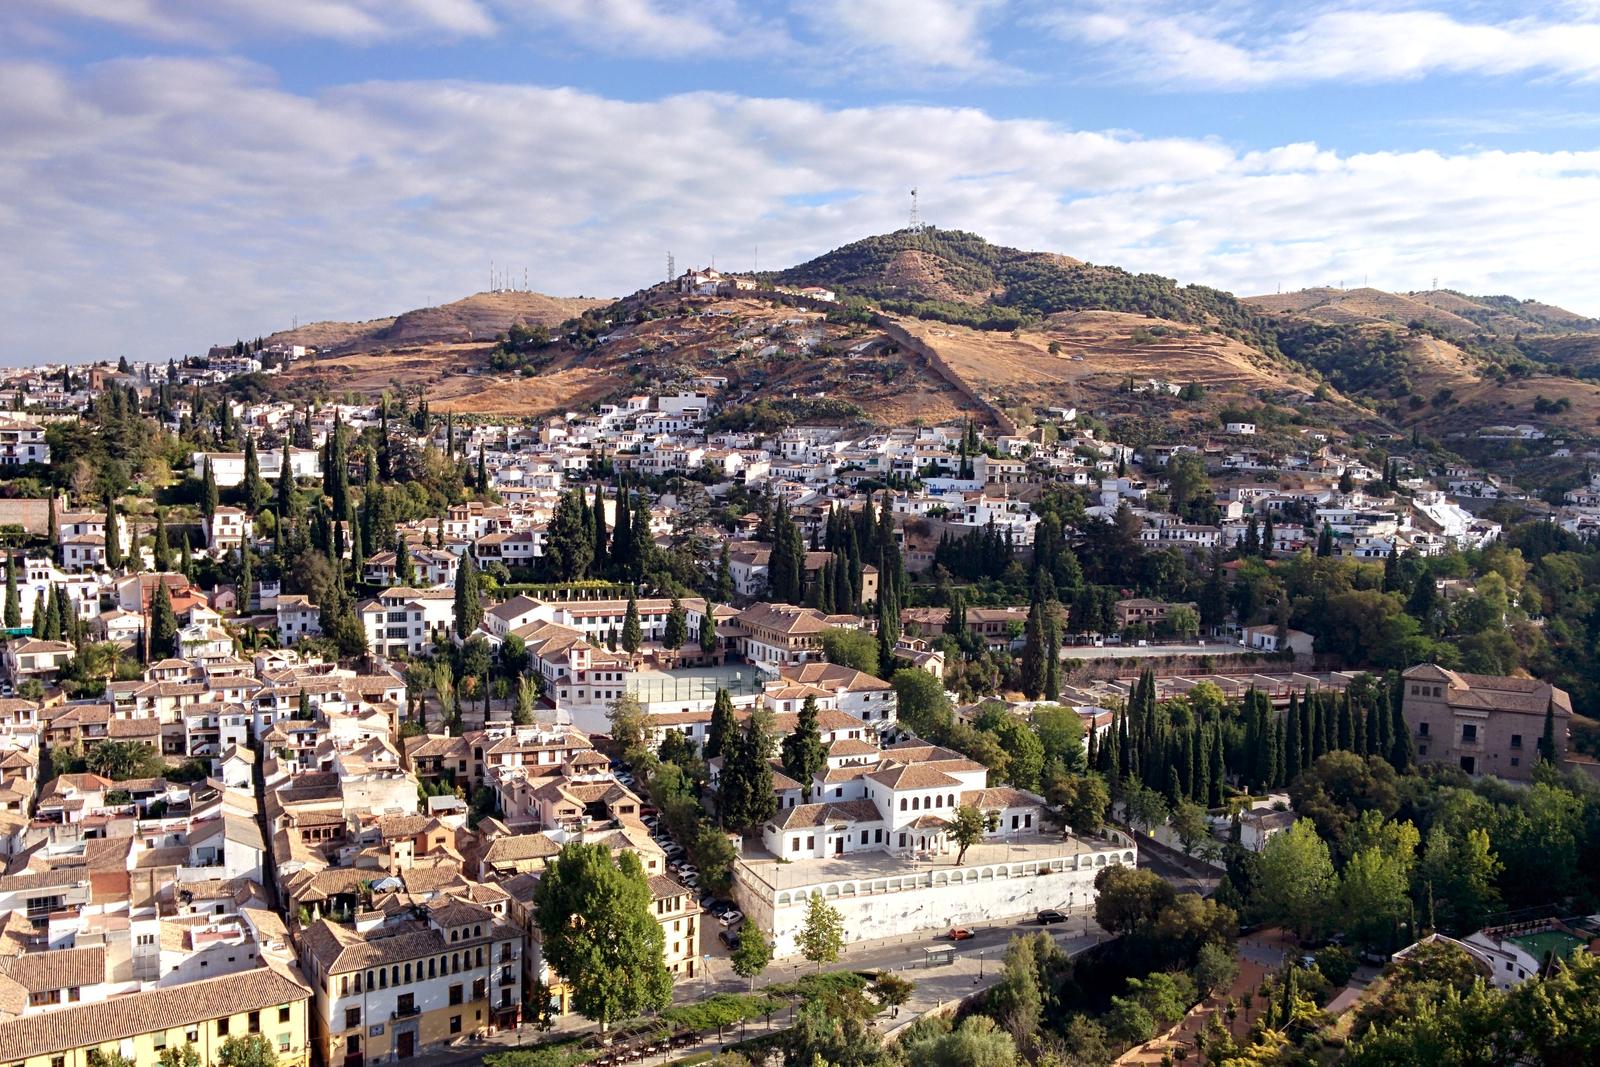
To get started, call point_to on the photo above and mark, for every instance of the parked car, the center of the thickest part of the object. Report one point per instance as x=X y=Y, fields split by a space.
x=960 y=933
x=731 y=917
x=1051 y=915
x=729 y=938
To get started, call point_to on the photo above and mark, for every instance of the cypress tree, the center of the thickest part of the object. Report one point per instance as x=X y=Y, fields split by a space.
x=722 y=727
x=163 y=549
x=255 y=490
x=708 y=629
x=1547 y=740
x=632 y=633
x=1105 y=757
x=1280 y=771
x=641 y=548
x=1379 y=740
x=468 y=607
x=1292 y=764
x=1174 y=790
x=1346 y=725
x=41 y=614
x=1358 y=729
x=209 y=496
x=1218 y=767
x=677 y=628
x=286 y=494
x=163 y=622
x=1325 y=541
x=483 y=472
x=1033 y=653
x=1402 y=753
x=186 y=558
x=247 y=580
x=113 y=542
x=336 y=469
x=601 y=553
x=1052 y=652
x=622 y=537
x=13 y=597
x=404 y=573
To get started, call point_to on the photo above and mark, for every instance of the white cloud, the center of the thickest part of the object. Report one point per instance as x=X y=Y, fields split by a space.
x=649 y=27
x=162 y=205
x=931 y=36
x=1254 y=45
x=218 y=22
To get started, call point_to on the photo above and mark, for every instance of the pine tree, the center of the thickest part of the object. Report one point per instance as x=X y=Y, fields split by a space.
x=632 y=633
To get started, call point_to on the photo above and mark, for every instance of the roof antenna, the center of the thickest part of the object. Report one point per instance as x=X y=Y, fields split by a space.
x=915 y=223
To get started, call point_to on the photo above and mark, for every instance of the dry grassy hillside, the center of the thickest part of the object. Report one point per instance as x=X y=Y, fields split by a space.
x=1097 y=352
x=1360 y=306
x=480 y=317
x=766 y=351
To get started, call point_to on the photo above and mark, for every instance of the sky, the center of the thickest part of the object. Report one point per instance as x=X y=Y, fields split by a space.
x=178 y=173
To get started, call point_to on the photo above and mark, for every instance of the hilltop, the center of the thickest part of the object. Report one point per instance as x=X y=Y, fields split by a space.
x=479 y=317
x=961 y=278
x=1443 y=309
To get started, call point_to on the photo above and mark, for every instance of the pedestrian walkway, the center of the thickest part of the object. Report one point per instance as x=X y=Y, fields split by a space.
x=976 y=966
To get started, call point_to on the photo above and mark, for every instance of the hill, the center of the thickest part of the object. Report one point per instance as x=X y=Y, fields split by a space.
x=1443 y=309
x=480 y=317
x=961 y=278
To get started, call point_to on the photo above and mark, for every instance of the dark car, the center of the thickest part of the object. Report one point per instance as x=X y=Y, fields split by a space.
x=729 y=938
x=1050 y=915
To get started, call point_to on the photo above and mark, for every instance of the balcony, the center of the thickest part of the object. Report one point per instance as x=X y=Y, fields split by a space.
x=405 y=1011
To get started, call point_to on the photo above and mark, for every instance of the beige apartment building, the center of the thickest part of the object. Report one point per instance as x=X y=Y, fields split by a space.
x=1482 y=723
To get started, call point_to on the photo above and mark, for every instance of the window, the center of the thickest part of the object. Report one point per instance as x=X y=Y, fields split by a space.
x=455 y=994
x=253 y=1023
x=283 y=1042
x=1516 y=740
x=352 y=1018
x=1422 y=729
x=283 y=1014
x=1516 y=761
x=222 y=1026
x=455 y=1024
x=811 y=841
x=1469 y=732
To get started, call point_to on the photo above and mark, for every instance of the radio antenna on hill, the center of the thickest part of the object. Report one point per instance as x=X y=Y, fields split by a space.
x=672 y=267
x=915 y=223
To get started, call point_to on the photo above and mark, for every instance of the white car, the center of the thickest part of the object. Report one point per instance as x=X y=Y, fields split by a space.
x=731 y=917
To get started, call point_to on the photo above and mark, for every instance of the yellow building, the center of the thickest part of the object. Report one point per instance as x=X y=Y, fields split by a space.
x=270 y=1001
x=392 y=987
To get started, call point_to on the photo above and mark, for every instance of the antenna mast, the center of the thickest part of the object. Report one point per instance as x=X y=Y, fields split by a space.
x=915 y=223
x=672 y=268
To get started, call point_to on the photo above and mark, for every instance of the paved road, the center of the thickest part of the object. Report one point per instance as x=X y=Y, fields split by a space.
x=1215 y=648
